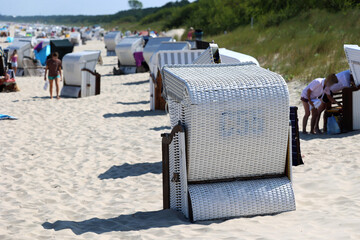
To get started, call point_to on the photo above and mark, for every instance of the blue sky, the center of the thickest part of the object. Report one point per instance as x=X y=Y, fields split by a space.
x=72 y=7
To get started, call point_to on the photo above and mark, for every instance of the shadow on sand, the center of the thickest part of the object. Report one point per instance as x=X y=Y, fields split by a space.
x=131 y=170
x=309 y=137
x=140 y=113
x=133 y=103
x=163 y=128
x=136 y=83
x=131 y=222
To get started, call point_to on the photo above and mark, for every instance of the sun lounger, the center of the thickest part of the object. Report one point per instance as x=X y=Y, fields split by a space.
x=229 y=153
x=80 y=78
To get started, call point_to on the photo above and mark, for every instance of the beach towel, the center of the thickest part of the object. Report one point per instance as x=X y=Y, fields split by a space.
x=7 y=117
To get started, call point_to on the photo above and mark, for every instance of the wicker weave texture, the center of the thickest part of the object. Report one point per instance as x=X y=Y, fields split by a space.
x=237 y=126
x=205 y=58
x=241 y=198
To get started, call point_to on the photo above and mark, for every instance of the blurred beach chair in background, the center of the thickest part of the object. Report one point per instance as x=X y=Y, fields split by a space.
x=24 y=49
x=111 y=39
x=229 y=152
x=61 y=46
x=170 y=57
x=75 y=38
x=125 y=51
x=152 y=46
x=167 y=53
x=80 y=77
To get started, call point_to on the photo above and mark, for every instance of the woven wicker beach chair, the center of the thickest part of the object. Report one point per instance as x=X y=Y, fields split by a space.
x=159 y=60
x=229 y=153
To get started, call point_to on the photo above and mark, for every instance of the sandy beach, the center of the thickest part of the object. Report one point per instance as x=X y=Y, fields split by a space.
x=90 y=168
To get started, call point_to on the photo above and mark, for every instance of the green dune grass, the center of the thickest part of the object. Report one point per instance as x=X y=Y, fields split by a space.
x=304 y=47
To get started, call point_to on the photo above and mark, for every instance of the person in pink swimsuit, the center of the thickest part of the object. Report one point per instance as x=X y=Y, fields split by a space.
x=14 y=59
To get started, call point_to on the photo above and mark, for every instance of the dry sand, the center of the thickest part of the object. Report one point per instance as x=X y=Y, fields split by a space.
x=90 y=168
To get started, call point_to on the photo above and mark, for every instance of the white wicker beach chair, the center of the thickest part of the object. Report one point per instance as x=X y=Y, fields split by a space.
x=229 y=153
x=352 y=53
x=160 y=59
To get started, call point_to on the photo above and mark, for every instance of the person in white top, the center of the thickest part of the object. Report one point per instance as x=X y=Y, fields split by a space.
x=309 y=97
x=344 y=81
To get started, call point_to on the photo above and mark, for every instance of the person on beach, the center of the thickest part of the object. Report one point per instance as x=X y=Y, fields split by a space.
x=345 y=80
x=53 y=65
x=309 y=98
x=190 y=33
x=14 y=61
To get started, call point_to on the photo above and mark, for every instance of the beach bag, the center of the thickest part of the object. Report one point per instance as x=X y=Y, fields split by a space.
x=46 y=85
x=332 y=126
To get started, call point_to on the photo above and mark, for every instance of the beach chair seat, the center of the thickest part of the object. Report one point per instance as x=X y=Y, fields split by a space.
x=229 y=153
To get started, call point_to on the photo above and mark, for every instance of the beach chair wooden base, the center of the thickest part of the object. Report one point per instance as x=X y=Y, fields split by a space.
x=160 y=102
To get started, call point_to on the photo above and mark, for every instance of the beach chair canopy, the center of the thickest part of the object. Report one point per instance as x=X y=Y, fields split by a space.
x=233 y=159
x=352 y=53
x=170 y=57
x=111 y=39
x=231 y=57
x=126 y=48
x=152 y=46
x=61 y=46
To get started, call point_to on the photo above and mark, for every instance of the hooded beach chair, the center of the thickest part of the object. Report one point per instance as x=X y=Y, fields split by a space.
x=229 y=152
x=160 y=59
x=152 y=46
x=125 y=50
x=111 y=39
x=80 y=77
x=350 y=97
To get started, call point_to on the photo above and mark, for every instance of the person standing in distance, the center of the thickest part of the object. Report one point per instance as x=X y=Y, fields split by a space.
x=53 y=65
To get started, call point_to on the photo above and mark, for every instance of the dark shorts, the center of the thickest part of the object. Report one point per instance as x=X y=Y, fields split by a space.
x=304 y=99
x=325 y=98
